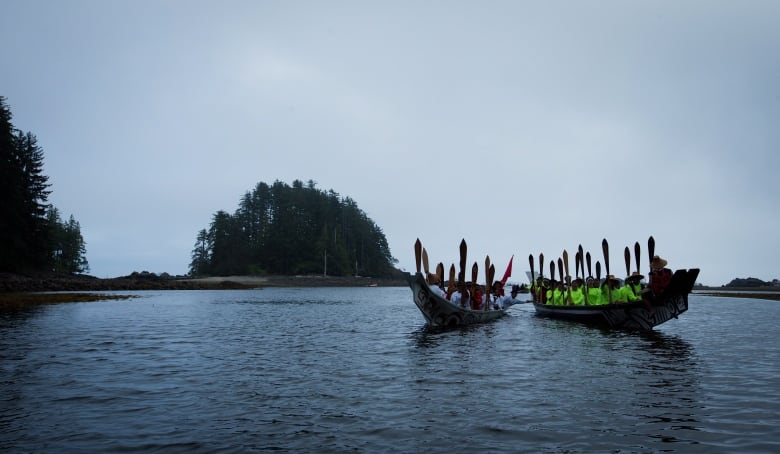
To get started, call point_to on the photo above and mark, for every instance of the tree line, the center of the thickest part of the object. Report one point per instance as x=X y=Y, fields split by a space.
x=33 y=236
x=290 y=230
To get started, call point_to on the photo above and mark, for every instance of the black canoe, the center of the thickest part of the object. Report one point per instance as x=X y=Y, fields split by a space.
x=636 y=316
x=440 y=313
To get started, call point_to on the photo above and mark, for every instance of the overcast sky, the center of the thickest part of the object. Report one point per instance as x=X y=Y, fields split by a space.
x=521 y=126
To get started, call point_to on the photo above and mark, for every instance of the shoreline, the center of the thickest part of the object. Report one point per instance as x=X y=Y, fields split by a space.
x=19 y=283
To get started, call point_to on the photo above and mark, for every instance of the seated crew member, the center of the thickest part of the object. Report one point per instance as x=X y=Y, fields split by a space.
x=477 y=298
x=435 y=285
x=594 y=292
x=549 y=293
x=461 y=296
x=634 y=281
x=609 y=290
x=659 y=275
x=577 y=296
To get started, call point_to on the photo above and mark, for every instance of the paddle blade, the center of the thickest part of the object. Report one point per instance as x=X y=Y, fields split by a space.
x=560 y=268
x=487 y=271
x=462 y=275
x=598 y=271
x=636 y=255
x=451 y=285
x=587 y=261
x=605 y=249
x=552 y=270
x=440 y=273
x=531 y=263
x=541 y=264
x=627 y=255
x=425 y=262
x=417 y=254
x=566 y=261
x=650 y=250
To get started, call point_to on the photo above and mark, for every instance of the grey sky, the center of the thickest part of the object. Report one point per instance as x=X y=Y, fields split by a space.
x=523 y=127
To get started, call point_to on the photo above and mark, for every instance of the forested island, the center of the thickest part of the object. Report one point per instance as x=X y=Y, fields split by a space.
x=280 y=229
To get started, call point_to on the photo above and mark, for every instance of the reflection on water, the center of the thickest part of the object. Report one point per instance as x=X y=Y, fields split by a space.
x=338 y=370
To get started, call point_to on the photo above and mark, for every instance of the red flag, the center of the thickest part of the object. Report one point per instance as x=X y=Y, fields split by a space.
x=508 y=271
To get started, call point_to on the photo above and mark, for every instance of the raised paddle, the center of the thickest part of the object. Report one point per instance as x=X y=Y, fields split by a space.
x=582 y=258
x=492 y=276
x=488 y=281
x=598 y=271
x=440 y=273
x=474 y=274
x=605 y=248
x=587 y=260
x=636 y=255
x=552 y=271
x=541 y=265
x=462 y=274
x=651 y=250
x=425 y=264
x=561 y=275
x=417 y=254
x=568 y=276
x=451 y=286
x=627 y=254
x=533 y=277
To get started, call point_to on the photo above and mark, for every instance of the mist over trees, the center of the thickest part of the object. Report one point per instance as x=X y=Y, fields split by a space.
x=290 y=230
x=33 y=237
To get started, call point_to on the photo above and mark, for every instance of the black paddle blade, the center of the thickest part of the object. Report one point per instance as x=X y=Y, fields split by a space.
x=531 y=262
x=636 y=255
x=417 y=254
x=627 y=254
x=651 y=248
x=598 y=270
x=462 y=273
x=560 y=268
x=605 y=249
x=587 y=261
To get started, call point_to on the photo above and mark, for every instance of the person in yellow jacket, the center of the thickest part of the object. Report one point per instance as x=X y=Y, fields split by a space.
x=577 y=296
x=610 y=290
x=635 y=282
x=621 y=294
x=555 y=294
x=594 y=292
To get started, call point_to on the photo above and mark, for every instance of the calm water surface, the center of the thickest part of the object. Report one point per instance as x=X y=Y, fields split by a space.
x=333 y=370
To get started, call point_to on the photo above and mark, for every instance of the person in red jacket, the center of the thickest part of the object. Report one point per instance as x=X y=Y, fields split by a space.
x=659 y=275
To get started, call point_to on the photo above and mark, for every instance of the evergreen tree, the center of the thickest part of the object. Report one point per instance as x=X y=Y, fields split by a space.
x=23 y=226
x=68 y=249
x=200 y=255
x=32 y=236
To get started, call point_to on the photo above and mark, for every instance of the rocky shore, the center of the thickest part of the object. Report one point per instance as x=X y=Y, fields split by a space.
x=20 y=283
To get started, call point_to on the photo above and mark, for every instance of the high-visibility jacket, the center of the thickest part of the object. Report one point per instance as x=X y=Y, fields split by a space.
x=577 y=297
x=594 y=296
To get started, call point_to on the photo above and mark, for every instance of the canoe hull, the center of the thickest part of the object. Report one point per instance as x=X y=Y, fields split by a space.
x=440 y=313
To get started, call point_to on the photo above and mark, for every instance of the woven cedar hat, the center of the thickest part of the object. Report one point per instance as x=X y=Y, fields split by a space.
x=635 y=276
x=657 y=263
